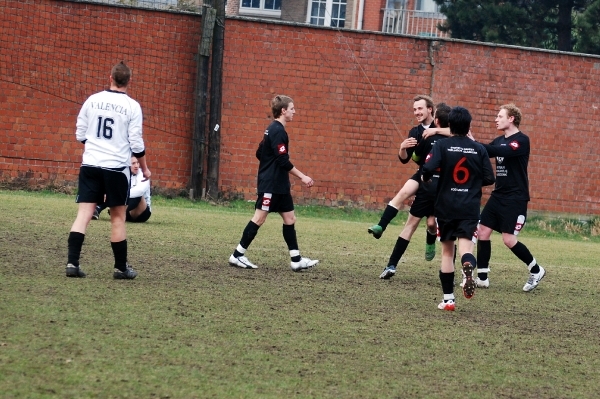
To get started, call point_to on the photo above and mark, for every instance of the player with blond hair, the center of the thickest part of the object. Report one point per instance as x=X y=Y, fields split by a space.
x=506 y=209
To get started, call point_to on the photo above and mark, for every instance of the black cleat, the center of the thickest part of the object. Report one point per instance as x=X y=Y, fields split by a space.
x=128 y=274
x=74 y=271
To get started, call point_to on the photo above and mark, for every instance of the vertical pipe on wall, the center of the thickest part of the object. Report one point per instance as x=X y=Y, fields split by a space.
x=432 y=47
x=361 y=12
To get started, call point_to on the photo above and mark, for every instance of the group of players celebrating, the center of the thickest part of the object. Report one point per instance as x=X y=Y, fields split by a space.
x=453 y=168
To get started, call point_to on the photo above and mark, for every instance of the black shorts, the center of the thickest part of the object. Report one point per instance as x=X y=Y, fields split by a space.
x=95 y=182
x=424 y=203
x=504 y=216
x=133 y=203
x=274 y=202
x=416 y=177
x=143 y=217
x=450 y=230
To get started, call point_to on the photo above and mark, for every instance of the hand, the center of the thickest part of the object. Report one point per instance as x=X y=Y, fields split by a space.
x=408 y=143
x=308 y=181
x=432 y=131
x=146 y=172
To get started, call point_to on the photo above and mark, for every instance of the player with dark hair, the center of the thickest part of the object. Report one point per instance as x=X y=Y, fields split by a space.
x=423 y=110
x=464 y=167
x=423 y=204
x=506 y=209
x=110 y=126
x=274 y=194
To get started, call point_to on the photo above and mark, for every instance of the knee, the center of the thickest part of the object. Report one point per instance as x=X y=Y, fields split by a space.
x=289 y=219
x=431 y=225
x=259 y=217
x=484 y=233
x=509 y=240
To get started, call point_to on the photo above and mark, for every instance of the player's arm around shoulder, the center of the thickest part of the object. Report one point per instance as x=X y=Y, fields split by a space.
x=487 y=169
x=432 y=162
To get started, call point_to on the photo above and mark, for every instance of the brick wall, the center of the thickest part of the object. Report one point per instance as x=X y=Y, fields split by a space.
x=373 y=14
x=56 y=53
x=352 y=90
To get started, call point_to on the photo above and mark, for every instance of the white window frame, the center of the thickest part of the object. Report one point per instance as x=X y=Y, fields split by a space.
x=436 y=7
x=260 y=12
x=328 y=8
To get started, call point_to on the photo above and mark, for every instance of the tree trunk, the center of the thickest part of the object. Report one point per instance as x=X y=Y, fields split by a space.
x=565 y=8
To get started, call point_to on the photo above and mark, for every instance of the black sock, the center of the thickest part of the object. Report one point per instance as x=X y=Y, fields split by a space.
x=75 y=242
x=431 y=238
x=447 y=280
x=484 y=252
x=248 y=235
x=388 y=215
x=120 y=252
x=398 y=251
x=289 y=235
x=468 y=258
x=521 y=251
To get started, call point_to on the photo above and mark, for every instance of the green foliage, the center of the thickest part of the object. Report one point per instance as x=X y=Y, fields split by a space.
x=549 y=24
x=587 y=26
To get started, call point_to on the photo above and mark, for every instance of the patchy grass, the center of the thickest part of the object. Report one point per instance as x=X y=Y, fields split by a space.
x=190 y=326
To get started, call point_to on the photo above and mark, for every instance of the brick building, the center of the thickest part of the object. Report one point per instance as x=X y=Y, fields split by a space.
x=414 y=17
x=353 y=92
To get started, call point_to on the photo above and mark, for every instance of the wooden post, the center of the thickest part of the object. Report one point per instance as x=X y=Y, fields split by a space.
x=214 y=142
x=199 y=136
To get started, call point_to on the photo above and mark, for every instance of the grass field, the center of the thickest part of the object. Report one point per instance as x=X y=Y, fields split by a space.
x=190 y=326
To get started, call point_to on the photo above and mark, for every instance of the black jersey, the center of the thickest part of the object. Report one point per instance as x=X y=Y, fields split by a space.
x=274 y=166
x=420 y=153
x=512 y=158
x=416 y=133
x=464 y=168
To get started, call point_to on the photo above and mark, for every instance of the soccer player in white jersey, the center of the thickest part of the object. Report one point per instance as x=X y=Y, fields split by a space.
x=110 y=126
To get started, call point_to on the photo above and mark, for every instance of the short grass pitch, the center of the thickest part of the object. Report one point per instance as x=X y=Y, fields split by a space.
x=190 y=326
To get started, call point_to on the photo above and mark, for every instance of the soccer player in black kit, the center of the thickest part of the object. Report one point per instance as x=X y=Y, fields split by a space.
x=423 y=205
x=464 y=167
x=506 y=209
x=273 y=188
x=423 y=109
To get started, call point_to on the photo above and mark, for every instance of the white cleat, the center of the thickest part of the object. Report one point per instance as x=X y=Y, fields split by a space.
x=534 y=280
x=447 y=305
x=242 y=262
x=482 y=283
x=303 y=264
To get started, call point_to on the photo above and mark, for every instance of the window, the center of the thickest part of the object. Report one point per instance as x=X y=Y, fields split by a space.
x=264 y=8
x=426 y=5
x=327 y=13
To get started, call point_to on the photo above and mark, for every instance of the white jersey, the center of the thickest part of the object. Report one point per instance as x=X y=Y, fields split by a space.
x=111 y=123
x=140 y=188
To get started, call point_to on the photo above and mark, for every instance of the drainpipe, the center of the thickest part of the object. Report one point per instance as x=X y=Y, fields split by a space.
x=432 y=48
x=361 y=11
